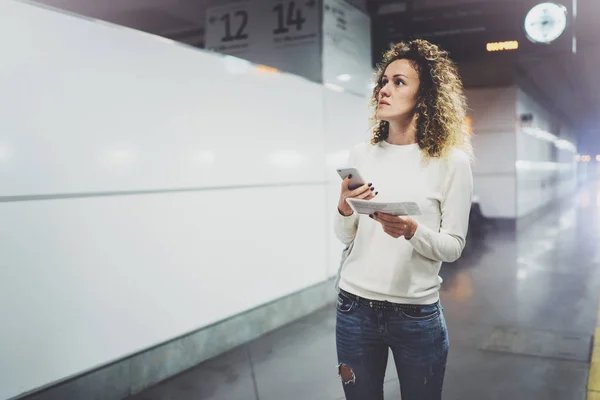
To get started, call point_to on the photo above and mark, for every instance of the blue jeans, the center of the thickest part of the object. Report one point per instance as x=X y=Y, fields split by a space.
x=418 y=340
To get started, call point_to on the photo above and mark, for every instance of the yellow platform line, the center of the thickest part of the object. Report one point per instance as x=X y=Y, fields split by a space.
x=593 y=386
x=593 y=395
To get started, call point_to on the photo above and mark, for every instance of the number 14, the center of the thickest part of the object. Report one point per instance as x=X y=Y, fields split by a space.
x=294 y=17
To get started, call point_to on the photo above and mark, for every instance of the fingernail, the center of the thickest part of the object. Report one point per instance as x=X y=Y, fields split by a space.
x=372 y=188
x=370 y=184
x=350 y=176
x=375 y=213
x=376 y=193
x=371 y=215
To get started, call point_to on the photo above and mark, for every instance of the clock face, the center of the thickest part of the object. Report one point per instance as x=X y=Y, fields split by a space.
x=545 y=22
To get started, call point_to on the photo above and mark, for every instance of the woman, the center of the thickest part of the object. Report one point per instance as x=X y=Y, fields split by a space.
x=389 y=283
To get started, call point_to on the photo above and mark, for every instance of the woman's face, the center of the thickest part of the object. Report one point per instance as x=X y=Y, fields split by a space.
x=398 y=94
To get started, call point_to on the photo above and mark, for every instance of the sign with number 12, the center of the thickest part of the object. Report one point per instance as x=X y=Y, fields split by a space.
x=229 y=28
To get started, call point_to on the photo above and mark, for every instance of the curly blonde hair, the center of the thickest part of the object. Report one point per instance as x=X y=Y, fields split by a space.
x=441 y=105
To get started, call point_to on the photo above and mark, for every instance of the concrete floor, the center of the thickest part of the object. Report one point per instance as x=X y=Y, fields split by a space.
x=521 y=311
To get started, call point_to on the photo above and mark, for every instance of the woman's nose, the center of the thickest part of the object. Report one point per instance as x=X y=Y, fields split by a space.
x=385 y=91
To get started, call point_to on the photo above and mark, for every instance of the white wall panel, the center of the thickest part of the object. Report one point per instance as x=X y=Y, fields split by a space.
x=541 y=117
x=545 y=171
x=492 y=109
x=512 y=163
x=495 y=153
x=492 y=112
x=89 y=107
x=92 y=109
x=87 y=281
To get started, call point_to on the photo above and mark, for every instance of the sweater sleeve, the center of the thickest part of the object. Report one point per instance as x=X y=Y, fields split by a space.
x=447 y=244
x=346 y=227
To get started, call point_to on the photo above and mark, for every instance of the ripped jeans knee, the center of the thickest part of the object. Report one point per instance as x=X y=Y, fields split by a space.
x=346 y=374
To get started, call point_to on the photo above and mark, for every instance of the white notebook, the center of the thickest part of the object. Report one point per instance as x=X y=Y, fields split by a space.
x=397 y=208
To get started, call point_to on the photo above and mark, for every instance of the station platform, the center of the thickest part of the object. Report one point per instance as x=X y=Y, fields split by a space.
x=521 y=307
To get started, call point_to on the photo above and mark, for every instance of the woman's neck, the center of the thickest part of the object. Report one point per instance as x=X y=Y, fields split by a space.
x=403 y=131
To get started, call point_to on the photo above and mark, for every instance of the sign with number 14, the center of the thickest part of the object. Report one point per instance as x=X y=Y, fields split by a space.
x=294 y=21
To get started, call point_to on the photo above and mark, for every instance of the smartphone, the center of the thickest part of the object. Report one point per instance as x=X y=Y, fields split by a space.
x=356 y=181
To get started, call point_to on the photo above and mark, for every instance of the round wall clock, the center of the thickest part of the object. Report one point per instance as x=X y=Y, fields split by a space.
x=545 y=22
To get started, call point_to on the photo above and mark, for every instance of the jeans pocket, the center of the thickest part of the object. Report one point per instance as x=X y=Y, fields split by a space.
x=344 y=304
x=425 y=313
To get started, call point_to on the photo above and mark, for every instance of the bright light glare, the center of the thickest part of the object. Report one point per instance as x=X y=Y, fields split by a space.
x=235 y=65
x=334 y=87
x=502 y=46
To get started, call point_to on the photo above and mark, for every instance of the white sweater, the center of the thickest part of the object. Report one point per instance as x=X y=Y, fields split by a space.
x=381 y=267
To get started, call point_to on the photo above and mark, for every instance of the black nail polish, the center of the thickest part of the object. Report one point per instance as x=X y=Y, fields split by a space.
x=376 y=193
x=370 y=184
x=375 y=213
x=372 y=188
x=371 y=215
x=350 y=176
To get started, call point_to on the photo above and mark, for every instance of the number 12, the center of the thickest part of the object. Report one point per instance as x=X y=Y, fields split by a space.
x=239 y=35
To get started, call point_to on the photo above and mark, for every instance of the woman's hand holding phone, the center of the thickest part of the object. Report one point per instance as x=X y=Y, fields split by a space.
x=364 y=192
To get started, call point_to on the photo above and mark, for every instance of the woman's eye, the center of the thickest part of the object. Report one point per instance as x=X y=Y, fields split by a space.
x=399 y=82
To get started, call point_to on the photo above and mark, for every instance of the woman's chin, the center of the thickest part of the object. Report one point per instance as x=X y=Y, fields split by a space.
x=382 y=116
